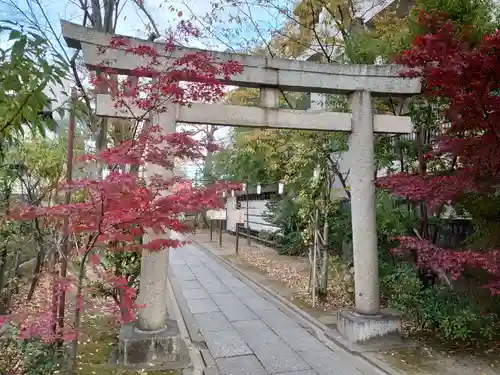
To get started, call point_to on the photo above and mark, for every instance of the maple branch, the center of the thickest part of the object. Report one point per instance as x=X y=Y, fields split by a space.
x=439 y=271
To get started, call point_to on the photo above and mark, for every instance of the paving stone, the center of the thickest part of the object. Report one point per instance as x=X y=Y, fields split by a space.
x=192 y=265
x=255 y=332
x=212 y=264
x=210 y=280
x=328 y=362
x=237 y=311
x=244 y=365
x=202 y=274
x=213 y=321
x=244 y=292
x=298 y=338
x=182 y=268
x=207 y=281
x=184 y=273
x=231 y=282
x=276 y=318
x=225 y=298
x=185 y=277
x=190 y=284
x=195 y=293
x=216 y=269
x=224 y=275
x=224 y=344
x=205 y=305
x=305 y=372
x=198 y=268
x=278 y=358
x=203 y=271
x=259 y=304
x=176 y=262
x=216 y=287
x=274 y=354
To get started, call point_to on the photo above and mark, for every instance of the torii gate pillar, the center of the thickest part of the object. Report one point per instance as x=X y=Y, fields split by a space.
x=361 y=148
x=366 y=322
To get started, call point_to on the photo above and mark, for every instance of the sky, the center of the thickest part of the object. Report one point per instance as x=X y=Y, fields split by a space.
x=133 y=22
x=220 y=35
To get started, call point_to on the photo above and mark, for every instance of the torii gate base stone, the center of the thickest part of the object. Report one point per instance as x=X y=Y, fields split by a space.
x=163 y=349
x=153 y=338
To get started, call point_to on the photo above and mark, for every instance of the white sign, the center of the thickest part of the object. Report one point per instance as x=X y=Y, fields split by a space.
x=281 y=188
x=216 y=214
x=240 y=215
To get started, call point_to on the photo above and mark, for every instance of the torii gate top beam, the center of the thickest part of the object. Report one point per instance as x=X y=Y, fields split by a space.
x=259 y=71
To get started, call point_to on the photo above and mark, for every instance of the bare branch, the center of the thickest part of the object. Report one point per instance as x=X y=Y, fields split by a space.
x=141 y=6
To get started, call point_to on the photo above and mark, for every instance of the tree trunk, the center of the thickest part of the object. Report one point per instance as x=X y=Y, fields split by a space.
x=40 y=257
x=3 y=271
x=325 y=258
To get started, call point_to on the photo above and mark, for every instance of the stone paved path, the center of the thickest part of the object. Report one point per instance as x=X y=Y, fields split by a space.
x=245 y=333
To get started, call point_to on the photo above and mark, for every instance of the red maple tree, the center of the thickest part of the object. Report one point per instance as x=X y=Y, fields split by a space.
x=465 y=74
x=114 y=212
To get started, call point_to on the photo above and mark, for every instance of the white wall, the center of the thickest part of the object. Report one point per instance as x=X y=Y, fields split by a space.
x=256 y=208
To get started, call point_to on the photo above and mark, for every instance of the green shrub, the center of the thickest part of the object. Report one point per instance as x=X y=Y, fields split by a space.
x=33 y=356
x=284 y=213
x=452 y=315
x=291 y=243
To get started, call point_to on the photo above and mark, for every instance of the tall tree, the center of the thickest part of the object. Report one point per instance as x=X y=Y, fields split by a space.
x=26 y=73
x=459 y=66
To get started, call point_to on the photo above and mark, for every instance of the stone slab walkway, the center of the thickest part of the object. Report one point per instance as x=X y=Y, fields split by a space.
x=247 y=334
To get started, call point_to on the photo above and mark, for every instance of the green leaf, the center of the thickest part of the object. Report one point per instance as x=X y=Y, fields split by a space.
x=14 y=34
x=19 y=46
x=50 y=123
x=61 y=111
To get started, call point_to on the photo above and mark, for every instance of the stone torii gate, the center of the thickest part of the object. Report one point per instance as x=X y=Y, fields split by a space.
x=360 y=82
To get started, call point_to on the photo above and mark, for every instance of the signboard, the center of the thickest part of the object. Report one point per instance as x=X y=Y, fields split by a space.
x=240 y=216
x=216 y=214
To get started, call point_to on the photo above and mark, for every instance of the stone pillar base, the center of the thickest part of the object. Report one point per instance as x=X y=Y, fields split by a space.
x=160 y=350
x=369 y=329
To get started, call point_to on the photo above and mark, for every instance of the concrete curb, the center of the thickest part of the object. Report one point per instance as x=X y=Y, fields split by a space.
x=331 y=338
x=192 y=327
